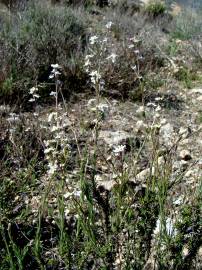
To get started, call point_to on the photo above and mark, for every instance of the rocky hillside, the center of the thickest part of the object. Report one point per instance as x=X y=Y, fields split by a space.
x=100 y=136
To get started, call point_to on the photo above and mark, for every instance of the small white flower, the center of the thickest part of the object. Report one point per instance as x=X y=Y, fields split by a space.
x=54 y=128
x=119 y=149
x=104 y=108
x=134 y=67
x=56 y=66
x=52 y=168
x=55 y=73
x=137 y=51
x=131 y=46
x=158 y=98
x=158 y=109
x=66 y=212
x=36 y=96
x=109 y=25
x=93 y=39
x=33 y=90
x=67 y=195
x=95 y=77
x=52 y=116
x=53 y=93
x=13 y=117
x=112 y=57
x=32 y=99
x=51 y=76
x=135 y=40
x=150 y=104
x=178 y=201
x=77 y=193
x=88 y=56
x=49 y=150
x=87 y=63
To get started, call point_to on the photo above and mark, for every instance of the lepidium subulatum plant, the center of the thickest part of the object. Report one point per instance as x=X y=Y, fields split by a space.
x=58 y=186
x=95 y=221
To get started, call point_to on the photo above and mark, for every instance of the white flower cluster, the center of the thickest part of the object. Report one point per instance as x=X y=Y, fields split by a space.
x=13 y=118
x=119 y=150
x=57 y=149
x=95 y=77
x=98 y=57
x=93 y=40
x=34 y=93
x=55 y=71
x=57 y=152
x=109 y=25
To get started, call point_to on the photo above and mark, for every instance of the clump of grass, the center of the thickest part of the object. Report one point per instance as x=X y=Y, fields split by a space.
x=155 y=8
x=186 y=76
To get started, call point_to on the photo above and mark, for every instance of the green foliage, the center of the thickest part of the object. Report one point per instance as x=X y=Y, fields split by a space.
x=42 y=35
x=155 y=8
x=172 y=48
x=200 y=117
x=7 y=87
x=186 y=76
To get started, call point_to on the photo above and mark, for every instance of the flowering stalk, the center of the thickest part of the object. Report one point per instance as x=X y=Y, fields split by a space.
x=55 y=73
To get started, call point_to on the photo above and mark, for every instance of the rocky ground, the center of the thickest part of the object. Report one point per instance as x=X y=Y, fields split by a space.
x=167 y=122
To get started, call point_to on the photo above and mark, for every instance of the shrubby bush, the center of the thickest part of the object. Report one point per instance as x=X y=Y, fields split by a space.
x=39 y=36
x=134 y=53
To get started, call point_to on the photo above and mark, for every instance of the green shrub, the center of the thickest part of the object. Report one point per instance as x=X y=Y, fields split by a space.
x=155 y=8
x=39 y=36
x=186 y=76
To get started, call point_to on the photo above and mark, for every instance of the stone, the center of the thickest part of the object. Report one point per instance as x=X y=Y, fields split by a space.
x=118 y=137
x=103 y=183
x=199 y=98
x=145 y=174
x=106 y=185
x=167 y=134
x=196 y=91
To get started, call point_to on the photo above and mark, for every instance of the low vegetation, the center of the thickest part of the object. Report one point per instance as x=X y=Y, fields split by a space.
x=93 y=175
